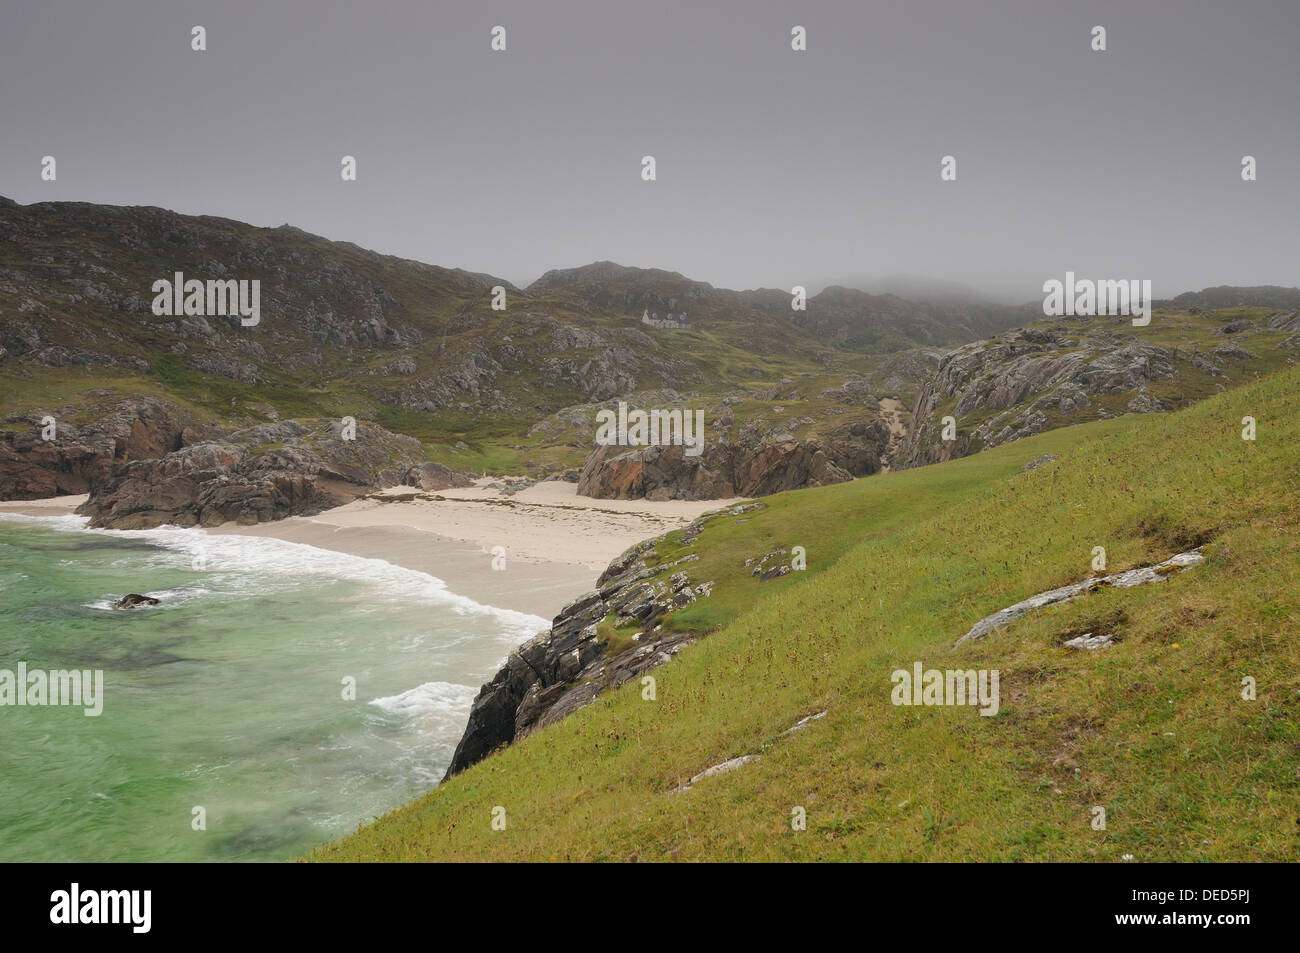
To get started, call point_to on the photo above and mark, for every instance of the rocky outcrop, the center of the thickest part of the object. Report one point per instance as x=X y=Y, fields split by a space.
x=1089 y=642
x=751 y=466
x=1033 y=379
x=759 y=565
x=1284 y=321
x=261 y=473
x=568 y=666
x=729 y=765
x=66 y=450
x=733 y=763
x=1037 y=462
x=435 y=476
x=1119 y=580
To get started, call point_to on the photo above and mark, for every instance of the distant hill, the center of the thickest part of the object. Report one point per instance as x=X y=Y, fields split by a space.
x=1227 y=296
x=417 y=349
x=919 y=288
x=845 y=316
x=420 y=351
x=887 y=322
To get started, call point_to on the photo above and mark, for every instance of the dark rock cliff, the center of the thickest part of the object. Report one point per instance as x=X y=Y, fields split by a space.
x=568 y=666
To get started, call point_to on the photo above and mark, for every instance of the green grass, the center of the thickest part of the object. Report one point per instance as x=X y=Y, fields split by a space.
x=616 y=640
x=1153 y=729
x=832 y=520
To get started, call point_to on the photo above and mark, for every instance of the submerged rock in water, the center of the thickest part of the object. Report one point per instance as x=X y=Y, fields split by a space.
x=133 y=599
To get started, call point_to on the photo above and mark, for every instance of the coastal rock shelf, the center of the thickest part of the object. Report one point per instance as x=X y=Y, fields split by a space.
x=146 y=462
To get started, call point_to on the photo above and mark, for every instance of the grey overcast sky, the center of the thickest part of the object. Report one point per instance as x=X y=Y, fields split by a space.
x=775 y=167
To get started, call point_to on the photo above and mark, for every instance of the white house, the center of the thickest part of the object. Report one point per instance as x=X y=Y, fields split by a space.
x=667 y=320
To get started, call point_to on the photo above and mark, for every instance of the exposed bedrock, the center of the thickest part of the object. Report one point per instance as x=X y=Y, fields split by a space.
x=731 y=469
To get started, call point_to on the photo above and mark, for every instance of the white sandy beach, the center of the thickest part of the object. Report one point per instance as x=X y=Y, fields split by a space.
x=50 y=506
x=556 y=543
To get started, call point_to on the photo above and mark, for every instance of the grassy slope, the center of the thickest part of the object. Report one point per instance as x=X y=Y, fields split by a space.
x=1154 y=729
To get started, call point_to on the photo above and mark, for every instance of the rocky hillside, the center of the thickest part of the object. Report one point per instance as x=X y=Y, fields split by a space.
x=347 y=329
x=341 y=327
x=1065 y=371
x=414 y=348
x=418 y=354
x=880 y=323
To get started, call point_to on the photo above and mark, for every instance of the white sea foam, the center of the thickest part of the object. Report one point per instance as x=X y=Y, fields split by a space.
x=260 y=562
x=168 y=598
x=336 y=765
x=61 y=521
x=436 y=699
x=431 y=717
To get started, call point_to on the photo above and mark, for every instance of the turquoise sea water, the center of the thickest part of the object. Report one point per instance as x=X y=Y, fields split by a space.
x=228 y=695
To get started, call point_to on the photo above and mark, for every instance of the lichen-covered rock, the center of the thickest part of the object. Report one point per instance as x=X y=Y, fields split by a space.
x=567 y=667
x=1120 y=580
x=1011 y=385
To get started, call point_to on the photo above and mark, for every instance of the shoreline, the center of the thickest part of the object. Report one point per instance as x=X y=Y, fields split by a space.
x=555 y=542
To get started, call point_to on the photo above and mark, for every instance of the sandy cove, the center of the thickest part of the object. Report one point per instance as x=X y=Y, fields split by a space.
x=556 y=542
